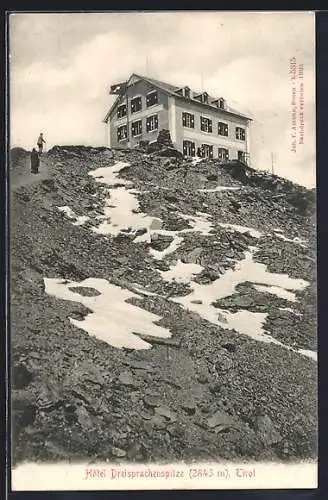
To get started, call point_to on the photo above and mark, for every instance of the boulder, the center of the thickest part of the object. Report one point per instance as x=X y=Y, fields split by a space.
x=164 y=411
x=156 y=224
x=229 y=346
x=118 y=452
x=170 y=152
x=85 y=291
x=84 y=418
x=189 y=407
x=126 y=378
x=194 y=256
x=23 y=410
x=22 y=376
x=164 y=138
x=152 y=400
x=220 y=421
x=267 y=431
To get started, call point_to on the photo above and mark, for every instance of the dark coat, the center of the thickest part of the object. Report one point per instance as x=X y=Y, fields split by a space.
x=35 y=162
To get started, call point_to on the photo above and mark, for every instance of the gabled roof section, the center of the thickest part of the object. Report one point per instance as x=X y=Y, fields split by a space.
x=175 y=91
x=105 y=120
x=167 y=87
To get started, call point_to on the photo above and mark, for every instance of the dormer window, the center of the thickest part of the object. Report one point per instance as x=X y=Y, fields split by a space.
x=202 y=97
x=221 y=103
x=186 y=92
x=205 y=98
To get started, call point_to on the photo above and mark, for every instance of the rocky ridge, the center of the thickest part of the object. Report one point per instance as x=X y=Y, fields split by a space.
x=216 y=394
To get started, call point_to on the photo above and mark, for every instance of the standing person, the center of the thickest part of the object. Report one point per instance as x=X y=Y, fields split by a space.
x=40 y=143
x=35 y=161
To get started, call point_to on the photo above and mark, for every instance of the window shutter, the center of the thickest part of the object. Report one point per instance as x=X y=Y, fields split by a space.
x=210 y=125
x=156 y=122
x=192 y=121
x=184 y=119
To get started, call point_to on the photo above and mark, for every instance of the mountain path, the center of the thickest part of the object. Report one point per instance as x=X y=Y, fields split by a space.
x=26 y=178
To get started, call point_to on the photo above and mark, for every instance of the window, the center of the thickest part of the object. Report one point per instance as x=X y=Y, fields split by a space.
x=136 y=104
x=240 y=133
x=241 y=156
x=189 y=148
x=136 y=128
x=223 y=129
x=202 y=97
x=152 y=98
x=186 y=92
x=152 y=123
x=121 y=111
x=205 y=98
x=221 y=103
x=223 y=154
x=207 y=151
x=188 y=120
x=205 y=124
x=122 y=133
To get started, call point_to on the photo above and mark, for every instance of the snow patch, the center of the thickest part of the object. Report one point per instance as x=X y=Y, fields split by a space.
x=121 y=210
x=241 y=229
x=200 y=223
x=109 y=175
x=173 y=246
x=79 y=219
x=218 y=189
x=296 y=240
x=181 y=272
x=121 y=213
x=289 y=309
x=278 y=291
x=309 y=354
x=122 y=206
x=201 y=299
x=113 y=319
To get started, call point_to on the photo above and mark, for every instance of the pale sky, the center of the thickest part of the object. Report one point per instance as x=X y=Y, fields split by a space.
x=62 y=65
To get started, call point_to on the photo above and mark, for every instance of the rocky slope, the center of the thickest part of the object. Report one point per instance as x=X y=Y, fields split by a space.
x=236 y=380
